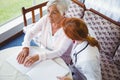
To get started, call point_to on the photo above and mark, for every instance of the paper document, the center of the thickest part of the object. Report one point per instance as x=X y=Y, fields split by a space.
x=45 y=70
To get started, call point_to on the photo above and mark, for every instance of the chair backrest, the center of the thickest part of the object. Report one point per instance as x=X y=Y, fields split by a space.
x=76 y=9
x=32 y=10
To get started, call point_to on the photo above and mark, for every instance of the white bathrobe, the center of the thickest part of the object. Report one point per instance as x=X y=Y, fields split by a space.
x=56 y=44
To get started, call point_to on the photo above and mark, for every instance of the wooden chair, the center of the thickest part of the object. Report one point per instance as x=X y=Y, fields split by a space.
x=32 y=10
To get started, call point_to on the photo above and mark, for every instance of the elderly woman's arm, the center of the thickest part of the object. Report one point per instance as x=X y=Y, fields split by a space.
x=62 y=48
x=65 y=44
x=28 y=37
x=34 y=31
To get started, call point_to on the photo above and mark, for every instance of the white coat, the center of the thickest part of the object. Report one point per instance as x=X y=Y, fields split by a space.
x=88 y=60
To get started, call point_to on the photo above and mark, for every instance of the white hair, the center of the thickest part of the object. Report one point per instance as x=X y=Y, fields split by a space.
x=62 y=5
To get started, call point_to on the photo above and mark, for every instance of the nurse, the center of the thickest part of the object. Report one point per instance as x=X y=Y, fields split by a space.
x=85 y=54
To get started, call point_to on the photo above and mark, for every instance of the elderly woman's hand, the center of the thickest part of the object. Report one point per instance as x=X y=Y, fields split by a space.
x=22 y=55
x=30 y=60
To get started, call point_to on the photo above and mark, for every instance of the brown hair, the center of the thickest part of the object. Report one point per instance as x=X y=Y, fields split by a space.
x=76 y=29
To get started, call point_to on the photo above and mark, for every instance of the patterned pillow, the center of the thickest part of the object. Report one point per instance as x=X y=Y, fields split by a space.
x=74 y=10
x=107 y=33
x=117 y=56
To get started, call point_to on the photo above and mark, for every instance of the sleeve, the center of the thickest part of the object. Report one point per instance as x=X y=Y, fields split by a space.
x=65 y=44
x=33 y=31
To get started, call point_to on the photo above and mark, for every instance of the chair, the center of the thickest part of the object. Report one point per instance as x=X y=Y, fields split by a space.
x=32 y=10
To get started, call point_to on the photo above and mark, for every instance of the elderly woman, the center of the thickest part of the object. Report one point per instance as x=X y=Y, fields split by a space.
x=52 y=35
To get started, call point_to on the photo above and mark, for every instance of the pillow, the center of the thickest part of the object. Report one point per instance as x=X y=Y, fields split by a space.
x=117 y=56
x=74 y=10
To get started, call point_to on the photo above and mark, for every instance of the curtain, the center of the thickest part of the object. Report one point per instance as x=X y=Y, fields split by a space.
x=110 y=8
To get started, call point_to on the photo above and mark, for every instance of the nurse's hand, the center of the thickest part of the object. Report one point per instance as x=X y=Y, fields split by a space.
x=22 y=55
x=30 y=60
x=63 y=78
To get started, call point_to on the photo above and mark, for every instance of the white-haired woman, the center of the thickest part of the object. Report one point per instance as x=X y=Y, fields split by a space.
x=52 y=35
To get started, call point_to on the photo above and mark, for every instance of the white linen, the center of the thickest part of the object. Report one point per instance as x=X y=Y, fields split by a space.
x=57 y=44
x=88 y=61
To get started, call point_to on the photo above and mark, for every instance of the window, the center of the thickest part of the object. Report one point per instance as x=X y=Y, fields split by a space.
x=11 y=21
x=10 y=9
